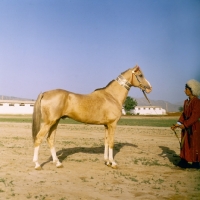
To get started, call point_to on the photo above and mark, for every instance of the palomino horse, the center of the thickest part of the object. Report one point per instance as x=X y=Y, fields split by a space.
x=103 y=106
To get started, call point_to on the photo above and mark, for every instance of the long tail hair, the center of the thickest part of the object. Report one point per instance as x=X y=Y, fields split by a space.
x=36 y=118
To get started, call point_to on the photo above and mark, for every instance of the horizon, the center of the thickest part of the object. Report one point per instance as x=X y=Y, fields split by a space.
x=175 y=103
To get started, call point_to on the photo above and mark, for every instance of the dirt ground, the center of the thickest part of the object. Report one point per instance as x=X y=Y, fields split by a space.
x=145 y=155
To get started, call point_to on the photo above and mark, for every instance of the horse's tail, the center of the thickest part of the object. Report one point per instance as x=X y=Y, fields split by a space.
x=36 y=118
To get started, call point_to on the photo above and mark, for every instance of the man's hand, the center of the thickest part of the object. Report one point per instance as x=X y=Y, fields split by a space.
x=174 y=126
x=181 y=126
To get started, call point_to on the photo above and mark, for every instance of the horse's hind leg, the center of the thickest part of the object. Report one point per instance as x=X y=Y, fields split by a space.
x=51 y=140
x=43 y=131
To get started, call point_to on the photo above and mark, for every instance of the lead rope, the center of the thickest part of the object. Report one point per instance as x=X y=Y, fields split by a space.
x=146 y=97
x=133 y=72
x=148 y=100
x=183 y=139
x=180 y=142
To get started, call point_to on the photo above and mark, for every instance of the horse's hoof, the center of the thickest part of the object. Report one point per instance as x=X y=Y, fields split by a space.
x=108 y=164
x=59 y=166
x=38 y=168
x=114 y=166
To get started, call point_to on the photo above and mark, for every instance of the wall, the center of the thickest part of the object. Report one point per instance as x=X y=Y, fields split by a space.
x=16 y=107
x=149 y=110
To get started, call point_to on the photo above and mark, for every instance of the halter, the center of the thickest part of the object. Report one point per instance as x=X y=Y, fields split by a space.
x=142 y=87
x=123 y=82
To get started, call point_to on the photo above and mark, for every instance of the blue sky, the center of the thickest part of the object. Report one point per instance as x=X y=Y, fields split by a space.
x=81 y=45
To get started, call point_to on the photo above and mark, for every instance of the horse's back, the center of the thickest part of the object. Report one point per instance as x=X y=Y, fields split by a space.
x=53 y=93
x=97 y=107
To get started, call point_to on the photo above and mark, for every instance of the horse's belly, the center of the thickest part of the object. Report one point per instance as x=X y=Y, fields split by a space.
x=93 y=117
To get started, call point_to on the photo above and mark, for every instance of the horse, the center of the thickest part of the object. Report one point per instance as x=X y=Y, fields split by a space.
x=101 y=107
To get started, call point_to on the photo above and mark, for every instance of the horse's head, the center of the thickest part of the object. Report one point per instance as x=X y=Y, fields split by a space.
x=134 y=77
x=138 y=80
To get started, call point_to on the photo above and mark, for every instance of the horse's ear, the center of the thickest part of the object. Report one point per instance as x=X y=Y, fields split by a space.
x=137 y=68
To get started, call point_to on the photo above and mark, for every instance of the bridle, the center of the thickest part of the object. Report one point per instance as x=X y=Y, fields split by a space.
x=123 y=82
x=126 y=84
x=142 y=87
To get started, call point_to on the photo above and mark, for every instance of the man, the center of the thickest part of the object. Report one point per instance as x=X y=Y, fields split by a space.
x=189 y=122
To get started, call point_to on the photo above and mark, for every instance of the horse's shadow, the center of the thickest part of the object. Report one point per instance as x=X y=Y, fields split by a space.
x=64 y=153
x=170 y=154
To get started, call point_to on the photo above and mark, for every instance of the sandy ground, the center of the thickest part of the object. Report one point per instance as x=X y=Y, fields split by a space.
x=145 y=155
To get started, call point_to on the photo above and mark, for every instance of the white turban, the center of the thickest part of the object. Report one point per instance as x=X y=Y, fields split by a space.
x=195 y=87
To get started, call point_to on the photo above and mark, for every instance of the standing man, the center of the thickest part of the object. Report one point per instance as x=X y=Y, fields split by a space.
x=189 y=122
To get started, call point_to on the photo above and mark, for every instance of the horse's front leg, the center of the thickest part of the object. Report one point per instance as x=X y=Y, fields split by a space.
x=51 y=140
x=110 y=146
x=111 y=160
x=106 y=147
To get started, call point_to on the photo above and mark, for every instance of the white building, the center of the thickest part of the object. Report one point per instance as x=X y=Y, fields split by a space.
x=16 y=107
x=149 y=110
x=123 y=111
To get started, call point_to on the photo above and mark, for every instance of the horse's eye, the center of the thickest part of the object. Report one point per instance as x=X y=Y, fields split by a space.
x=140 y=75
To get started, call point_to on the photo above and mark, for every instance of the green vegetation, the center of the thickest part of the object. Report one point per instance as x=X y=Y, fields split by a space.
x=155 y=121
x=129 y=103
x=13 y=119
x=180 y=109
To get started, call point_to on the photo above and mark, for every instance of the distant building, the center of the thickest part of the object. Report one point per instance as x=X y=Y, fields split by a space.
x=16 y=107
x=148 y=110
x=123 y=111
x=26 y=107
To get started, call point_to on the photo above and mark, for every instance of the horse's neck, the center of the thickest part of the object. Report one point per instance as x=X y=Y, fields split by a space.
x=118 y=92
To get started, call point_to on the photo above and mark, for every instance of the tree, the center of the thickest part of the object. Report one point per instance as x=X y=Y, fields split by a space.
x=129 y=103
x=180 y=108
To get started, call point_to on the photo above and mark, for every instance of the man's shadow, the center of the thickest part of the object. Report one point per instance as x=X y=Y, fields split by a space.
x=170 y=154
x=64 y=153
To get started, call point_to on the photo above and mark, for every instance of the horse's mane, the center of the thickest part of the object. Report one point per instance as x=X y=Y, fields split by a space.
x=125 y=71
x=109 y=82
x=105 y=86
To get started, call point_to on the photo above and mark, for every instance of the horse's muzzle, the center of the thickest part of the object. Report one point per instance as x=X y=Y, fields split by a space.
x=148 y=90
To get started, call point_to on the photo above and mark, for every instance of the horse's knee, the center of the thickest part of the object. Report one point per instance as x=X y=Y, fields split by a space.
x=39 y=137
x=50 y=142
x=111 y=145
x=37 y=142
